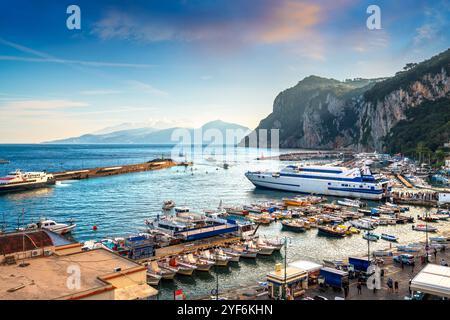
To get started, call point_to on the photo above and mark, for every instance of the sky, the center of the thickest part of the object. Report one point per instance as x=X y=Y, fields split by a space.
x=185 y=62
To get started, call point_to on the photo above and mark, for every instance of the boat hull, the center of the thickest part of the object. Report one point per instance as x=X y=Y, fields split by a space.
x=288 y=227
x=296 y=183
x=24 y=187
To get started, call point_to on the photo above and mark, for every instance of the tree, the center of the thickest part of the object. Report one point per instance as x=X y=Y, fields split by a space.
x=409 y=66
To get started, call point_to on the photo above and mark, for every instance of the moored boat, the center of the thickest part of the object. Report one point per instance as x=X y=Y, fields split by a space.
x=371 y=236
x=293 y=225
x=389 y=237
x=168 y=205
x=331 y=232
x=423 y=227
x=60 y=228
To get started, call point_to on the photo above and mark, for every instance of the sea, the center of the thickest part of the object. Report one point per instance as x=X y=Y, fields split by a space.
x=119 y=205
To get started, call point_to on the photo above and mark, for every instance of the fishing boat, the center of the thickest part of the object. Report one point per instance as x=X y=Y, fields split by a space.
x=60 y=228
x=389 y=237
x=185 y=269
x=349 y=230
x=331 y=232
x=293 y=225
x=264 y=249
x=322 y=180
x=165 y=273
x=201 y=264
x=363 y=224
x=350 y=203
x=296 y=202
x=428 y=218
x=371 y=236
x=168 y=205
x=219 y=260
x=246 y=251
x=233 y=255
x=276 y=243
x=238 y=211
x=423 y=227
x=153 y=279
x=439 y=239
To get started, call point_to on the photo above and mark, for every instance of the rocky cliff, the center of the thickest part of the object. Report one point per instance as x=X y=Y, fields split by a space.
x=360 y=114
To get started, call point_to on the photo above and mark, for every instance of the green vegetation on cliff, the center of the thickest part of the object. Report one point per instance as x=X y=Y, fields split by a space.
x=427 y=125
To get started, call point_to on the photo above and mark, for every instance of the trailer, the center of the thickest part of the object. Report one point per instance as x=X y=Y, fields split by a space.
x=333 y=277
x=359 y=264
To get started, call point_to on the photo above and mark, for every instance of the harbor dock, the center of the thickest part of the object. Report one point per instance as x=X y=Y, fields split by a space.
x=155 y=164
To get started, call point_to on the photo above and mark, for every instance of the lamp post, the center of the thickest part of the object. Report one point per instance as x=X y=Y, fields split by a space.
x=285 y=266
x=426 y=235
x=217 y=276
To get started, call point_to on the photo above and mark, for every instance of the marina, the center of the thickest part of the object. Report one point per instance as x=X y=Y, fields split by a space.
x=238 y=235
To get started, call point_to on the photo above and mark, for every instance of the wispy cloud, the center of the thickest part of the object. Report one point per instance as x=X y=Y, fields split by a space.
x=435 y=26
x=147 y=88
x=45 y=57
x=100 y=92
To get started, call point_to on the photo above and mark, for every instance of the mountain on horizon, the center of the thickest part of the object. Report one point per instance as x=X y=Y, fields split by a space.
x=148 y=135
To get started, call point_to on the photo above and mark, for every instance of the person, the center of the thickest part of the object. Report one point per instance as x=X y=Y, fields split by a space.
x=435 y=254
x=443 y=262
x=413 y=263
x=409 y=287
x=401 y=263
x=374 y=286
x=389 y=284
x=396 y=286
x=359 y=287
x=345 y=291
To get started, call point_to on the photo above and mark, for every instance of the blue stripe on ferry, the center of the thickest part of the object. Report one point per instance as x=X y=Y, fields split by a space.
x=357 y=190
x=356 y=179
x=284 y=184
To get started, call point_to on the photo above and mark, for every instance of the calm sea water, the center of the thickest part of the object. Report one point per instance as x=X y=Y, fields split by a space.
x=119 y=205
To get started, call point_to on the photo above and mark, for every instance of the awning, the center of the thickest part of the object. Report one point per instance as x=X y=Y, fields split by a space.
x=308 y=266
x=433 y=279
x=134 y=292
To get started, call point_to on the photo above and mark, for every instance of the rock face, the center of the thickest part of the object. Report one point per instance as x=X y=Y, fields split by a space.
x=321 y=113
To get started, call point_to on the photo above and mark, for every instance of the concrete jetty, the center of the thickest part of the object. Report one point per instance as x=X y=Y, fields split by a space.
x=155 y=164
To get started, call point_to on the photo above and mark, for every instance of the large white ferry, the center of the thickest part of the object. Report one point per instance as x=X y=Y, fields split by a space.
x=322 y=180
x=19 y=181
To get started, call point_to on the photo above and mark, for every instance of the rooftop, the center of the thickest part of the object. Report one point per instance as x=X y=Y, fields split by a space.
x=433 y=279
x=29 y=240
x=46 y=277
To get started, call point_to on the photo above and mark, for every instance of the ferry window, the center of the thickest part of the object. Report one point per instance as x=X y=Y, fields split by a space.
x=372 y=188
x=329 y=183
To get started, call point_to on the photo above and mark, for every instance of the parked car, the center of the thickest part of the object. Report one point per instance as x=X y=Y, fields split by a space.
x=405 y=258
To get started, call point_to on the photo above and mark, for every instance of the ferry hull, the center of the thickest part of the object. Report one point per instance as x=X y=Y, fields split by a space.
x=24 y=187
x=314 y=186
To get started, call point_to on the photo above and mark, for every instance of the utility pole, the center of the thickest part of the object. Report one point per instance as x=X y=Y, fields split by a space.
x=426 y=235
x=217 y=276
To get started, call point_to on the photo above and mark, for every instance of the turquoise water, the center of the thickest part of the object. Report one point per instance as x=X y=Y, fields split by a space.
x=119 y=205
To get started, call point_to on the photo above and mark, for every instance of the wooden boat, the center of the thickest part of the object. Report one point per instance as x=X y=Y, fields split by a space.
x=219 y=260
x=371 y=236
x=246 y=251
x=296 y=202
x=264 y=249
x=276 y=243
x=350 y=203
x=153 y=278
x=331 y=232
x=389 y=237
x=201 y=264
x=293 y=225
x=428 y=218
x=155 y=268
x=423 y=227
x=233 y=255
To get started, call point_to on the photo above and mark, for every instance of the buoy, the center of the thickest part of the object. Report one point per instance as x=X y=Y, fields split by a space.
x=94 y=228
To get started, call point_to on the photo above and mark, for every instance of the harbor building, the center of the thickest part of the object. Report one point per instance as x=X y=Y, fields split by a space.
x=49 y=270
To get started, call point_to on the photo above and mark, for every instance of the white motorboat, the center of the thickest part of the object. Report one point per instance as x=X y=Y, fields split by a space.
x=423 y=227
x=350 y=203
x=60 y=228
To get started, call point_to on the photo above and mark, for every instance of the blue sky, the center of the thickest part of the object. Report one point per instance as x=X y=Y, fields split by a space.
x=182 y=63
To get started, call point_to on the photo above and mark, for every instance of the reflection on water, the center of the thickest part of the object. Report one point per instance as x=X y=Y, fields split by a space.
x=119 y=205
